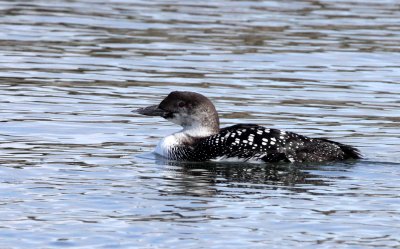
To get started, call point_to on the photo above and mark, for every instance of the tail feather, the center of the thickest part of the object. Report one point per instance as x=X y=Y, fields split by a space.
x=349 y=151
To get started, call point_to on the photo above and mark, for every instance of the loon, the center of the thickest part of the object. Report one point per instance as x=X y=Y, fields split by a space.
x=201 y=138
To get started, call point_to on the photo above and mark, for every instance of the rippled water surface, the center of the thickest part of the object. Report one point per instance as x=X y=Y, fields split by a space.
x=76 y=168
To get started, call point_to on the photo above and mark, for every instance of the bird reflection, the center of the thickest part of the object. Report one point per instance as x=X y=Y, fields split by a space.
x=203 y=178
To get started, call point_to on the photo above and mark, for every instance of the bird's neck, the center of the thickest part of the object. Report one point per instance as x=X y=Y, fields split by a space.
x=199 y=131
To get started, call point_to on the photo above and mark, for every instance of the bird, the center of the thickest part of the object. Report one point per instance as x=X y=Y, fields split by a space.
x=202 y=139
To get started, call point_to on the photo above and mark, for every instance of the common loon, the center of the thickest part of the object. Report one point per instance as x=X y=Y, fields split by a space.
x=201 y=138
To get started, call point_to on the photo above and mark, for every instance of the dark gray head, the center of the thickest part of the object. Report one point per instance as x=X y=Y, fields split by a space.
x=193 y=111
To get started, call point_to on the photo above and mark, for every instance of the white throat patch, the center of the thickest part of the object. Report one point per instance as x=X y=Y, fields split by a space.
x=166 y=144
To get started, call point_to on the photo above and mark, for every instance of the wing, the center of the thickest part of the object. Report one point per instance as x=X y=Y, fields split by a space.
x=244 y=142
x=321 y=149
x=253 y=142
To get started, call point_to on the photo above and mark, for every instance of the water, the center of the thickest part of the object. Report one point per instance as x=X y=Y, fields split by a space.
x=75 y=164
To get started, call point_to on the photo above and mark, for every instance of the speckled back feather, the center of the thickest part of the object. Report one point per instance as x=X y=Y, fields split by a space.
x=254 y=142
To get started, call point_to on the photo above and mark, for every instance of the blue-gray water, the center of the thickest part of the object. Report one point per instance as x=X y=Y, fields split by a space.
x=75 y=164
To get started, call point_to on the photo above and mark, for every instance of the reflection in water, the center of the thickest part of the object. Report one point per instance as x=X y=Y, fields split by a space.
x=202 y=178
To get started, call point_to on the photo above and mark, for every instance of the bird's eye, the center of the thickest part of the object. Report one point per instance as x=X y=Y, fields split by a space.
x=181 y=104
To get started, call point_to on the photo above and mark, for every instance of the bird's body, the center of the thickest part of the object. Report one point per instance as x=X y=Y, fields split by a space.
x=202 y=140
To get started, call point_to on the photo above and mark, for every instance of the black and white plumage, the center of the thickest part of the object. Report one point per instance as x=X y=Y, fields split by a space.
x=201 y=138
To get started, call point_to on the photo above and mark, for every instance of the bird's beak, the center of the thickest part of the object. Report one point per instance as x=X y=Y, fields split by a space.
x=151 y=111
